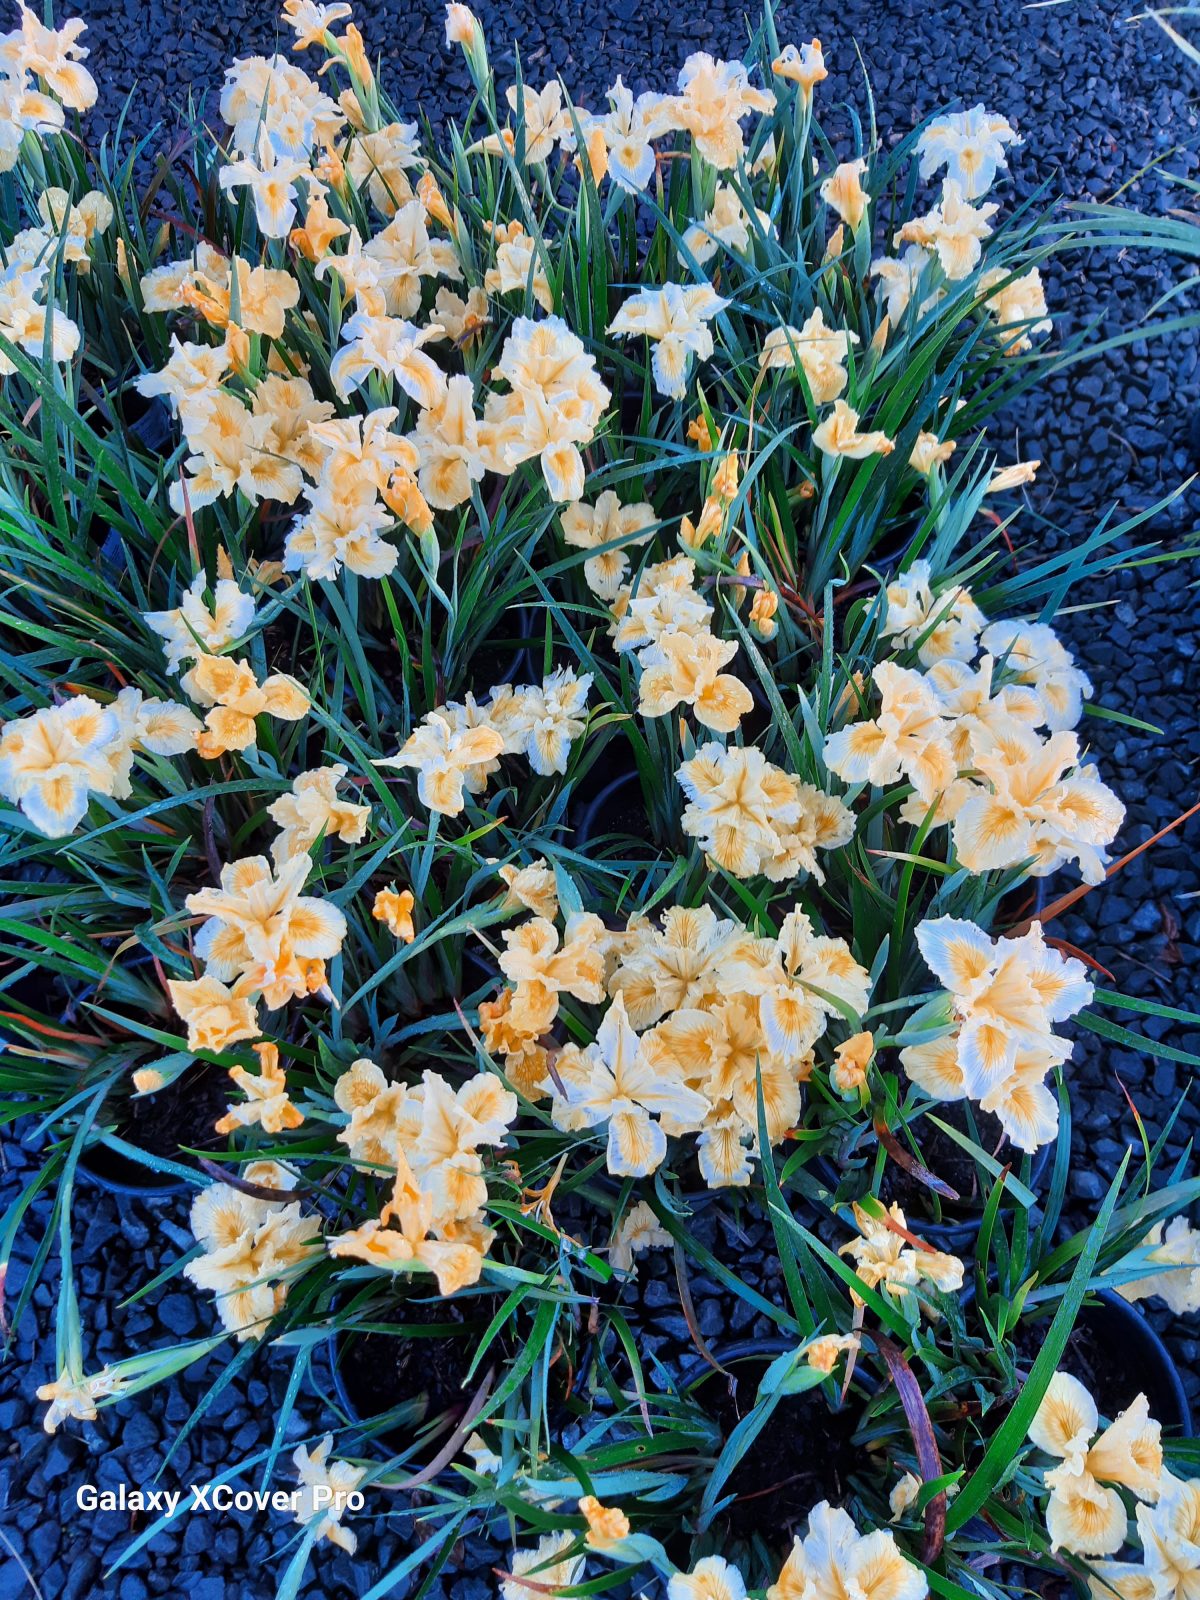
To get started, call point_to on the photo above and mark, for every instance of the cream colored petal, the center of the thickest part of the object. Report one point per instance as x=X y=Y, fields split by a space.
x=1085 y=1518
x=636 y=1145
x=1129 y=1452
x=878 y=1570
x=1066 y=1421
x=934 y=1067
x=316 y=929
x=958 y=953
x=1120 y=1580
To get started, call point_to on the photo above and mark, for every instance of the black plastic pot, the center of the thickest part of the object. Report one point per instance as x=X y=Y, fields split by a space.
x=333 y=1350
x=110 y=1169
x=394 y=1439
x=764 y=1350
x=803 y=1455
x=1122 y=1328
x=1147 y=1358
x=617 y=804
x=155 y=428
x=336 y=1353
x=519 y=668
x=1152 y=1371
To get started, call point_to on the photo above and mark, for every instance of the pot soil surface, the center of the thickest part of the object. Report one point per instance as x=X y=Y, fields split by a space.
x=1098 y=1354
x=804 y=1455
x=948 y=1161
x=425 y=1359
x=179 y=1117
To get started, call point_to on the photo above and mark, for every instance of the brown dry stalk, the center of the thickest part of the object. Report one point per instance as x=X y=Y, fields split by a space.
x=454 y=1443
x=1066 y=901
x=689 y=1315
x=916 y=1415
x=904 y=1158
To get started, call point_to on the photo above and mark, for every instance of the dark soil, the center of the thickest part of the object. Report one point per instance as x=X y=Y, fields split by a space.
x=479 y=967
x=610 y=802
x=178 y=1118
x=948 y=1161
x=804 y=1455
x=505 y=659
x=426 y=1359
x=1102 y=1356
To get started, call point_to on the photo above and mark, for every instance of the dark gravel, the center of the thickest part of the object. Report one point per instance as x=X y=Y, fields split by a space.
x=1097 y=99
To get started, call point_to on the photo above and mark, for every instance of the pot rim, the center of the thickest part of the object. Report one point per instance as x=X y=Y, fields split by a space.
x=585 y=828
x=138 y=1191
x=1140 y=1327
x=766 y=1348
x=370 y=1441
x=1137 y=1323
x=333 y=1338
x=146 y=1191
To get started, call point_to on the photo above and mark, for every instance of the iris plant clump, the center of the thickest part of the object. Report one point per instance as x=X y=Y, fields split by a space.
x=513 y=664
